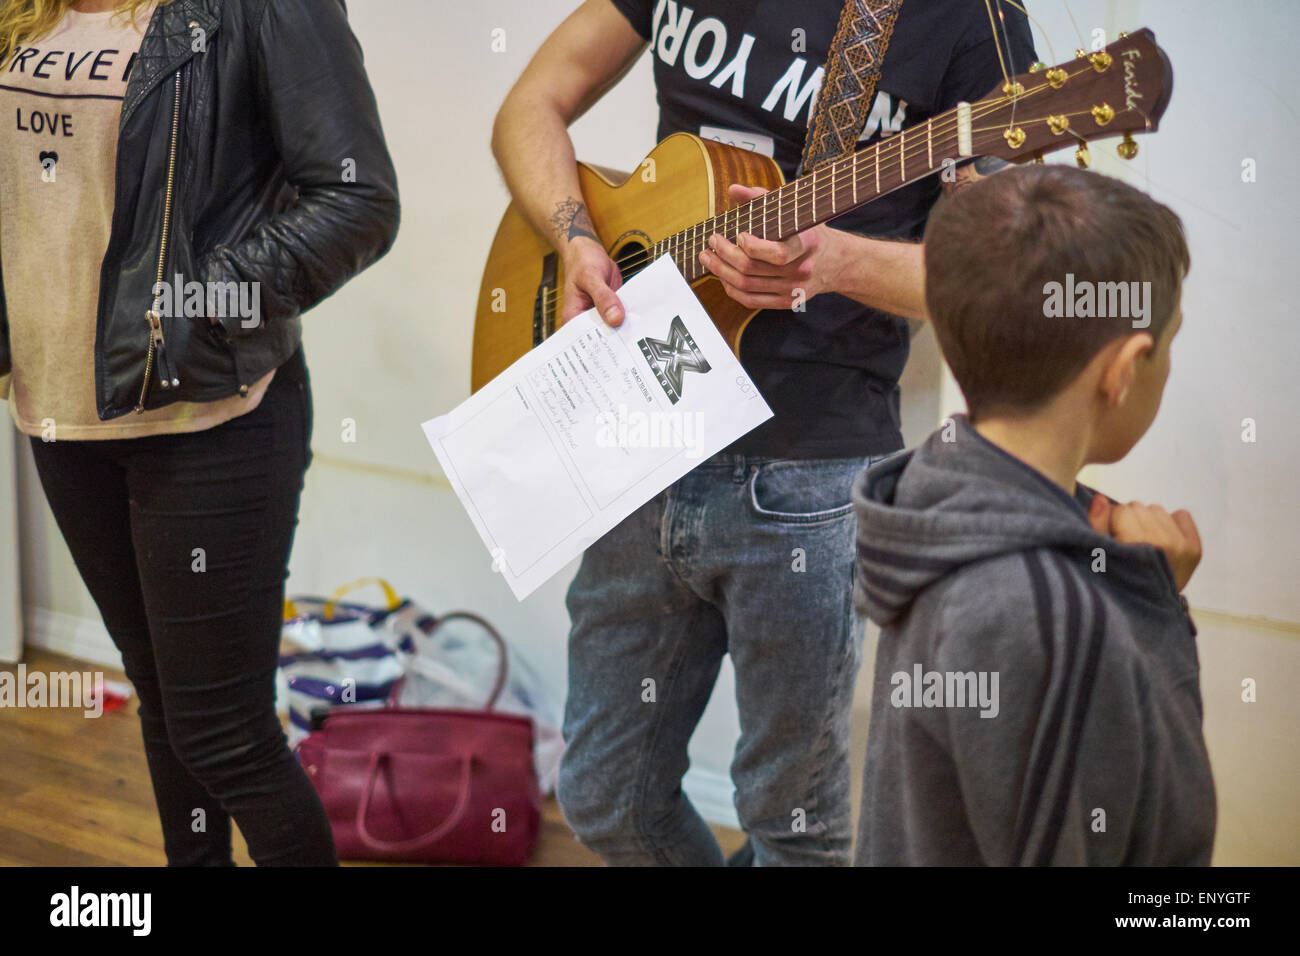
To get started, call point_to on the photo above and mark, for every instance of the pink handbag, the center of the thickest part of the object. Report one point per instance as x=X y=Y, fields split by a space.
x=428 y=784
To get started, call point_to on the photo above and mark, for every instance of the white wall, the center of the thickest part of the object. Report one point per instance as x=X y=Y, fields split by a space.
x=1235 y=355
x=392 y=349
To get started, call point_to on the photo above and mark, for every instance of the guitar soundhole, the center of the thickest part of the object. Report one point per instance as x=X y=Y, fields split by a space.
x=631 y=254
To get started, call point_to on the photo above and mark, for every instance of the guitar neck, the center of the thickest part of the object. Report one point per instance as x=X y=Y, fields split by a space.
x=831 y=190
x=1030 y=114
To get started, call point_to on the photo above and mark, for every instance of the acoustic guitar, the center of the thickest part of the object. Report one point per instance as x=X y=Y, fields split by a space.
x=679 y=196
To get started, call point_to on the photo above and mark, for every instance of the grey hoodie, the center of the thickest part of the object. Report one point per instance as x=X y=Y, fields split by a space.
x=1029 y=708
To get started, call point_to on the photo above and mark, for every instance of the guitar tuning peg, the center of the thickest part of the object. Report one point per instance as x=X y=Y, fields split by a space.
x=1081 y=54
x=1127 y=148
x=1082 y=156
x=1123 y=34
x=1037 y=66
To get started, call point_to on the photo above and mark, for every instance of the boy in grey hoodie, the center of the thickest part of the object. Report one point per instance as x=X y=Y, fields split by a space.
x=1036 y=696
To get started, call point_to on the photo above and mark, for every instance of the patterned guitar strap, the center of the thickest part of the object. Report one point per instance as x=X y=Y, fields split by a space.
x=849 y=84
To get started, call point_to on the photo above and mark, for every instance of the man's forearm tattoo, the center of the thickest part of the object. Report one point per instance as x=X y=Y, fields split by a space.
x=571 y=220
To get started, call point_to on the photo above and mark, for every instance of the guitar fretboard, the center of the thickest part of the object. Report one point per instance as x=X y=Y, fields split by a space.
x=830 y=191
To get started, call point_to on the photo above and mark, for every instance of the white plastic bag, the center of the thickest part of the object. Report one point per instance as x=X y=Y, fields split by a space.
x=456 y=663
x=350 y=655
x=353 y=654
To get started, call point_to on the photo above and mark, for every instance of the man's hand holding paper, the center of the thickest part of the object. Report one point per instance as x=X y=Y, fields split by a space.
x=592 y=424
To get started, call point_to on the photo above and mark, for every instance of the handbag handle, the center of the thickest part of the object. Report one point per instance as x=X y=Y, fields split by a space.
x=423 y=840
x=390 y=596
x=502 y=660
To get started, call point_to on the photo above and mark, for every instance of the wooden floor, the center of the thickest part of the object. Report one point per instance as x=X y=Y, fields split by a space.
x=75 y=791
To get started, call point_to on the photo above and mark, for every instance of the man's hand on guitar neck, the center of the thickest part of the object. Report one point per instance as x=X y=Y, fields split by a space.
x=764 y=274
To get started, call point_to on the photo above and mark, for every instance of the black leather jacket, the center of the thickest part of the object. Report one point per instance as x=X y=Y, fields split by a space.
x=260 y=116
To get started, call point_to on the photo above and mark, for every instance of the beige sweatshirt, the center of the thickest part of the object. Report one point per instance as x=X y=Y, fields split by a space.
x=60 y=103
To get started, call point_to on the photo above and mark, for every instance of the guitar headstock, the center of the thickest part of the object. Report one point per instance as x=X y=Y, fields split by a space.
x=1118 y=91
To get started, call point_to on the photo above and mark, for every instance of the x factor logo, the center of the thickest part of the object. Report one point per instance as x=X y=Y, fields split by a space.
x=673 y=358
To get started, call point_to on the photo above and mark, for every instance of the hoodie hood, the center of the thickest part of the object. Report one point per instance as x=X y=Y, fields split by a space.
x=924 y=513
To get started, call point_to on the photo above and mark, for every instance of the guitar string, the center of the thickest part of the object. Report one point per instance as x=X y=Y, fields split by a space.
x=629 y=260
x=697 y=245
x=844 y=172
x=1002 y=22
x=633 y=258
x=945 y=126
x=988 y=5
x=1077 y=32
x=694 y=247
x=1051 y=53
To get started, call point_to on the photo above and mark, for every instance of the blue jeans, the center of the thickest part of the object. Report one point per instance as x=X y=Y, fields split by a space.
x=747 y=556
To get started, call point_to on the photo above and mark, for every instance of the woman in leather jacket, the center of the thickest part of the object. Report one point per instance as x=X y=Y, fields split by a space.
x=181 y=180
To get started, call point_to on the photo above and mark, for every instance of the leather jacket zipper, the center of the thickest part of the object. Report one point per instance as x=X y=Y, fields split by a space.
x=157 y=353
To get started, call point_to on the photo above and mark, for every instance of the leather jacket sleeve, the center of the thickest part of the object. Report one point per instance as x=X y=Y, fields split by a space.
x=325 y=125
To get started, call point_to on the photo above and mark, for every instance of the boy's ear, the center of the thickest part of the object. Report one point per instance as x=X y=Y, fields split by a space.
x=1120 y=371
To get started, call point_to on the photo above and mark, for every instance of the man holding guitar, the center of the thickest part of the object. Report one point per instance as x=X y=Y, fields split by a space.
x=752 y=553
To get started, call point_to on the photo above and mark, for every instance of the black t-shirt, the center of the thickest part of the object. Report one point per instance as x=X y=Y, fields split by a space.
x=746 y=72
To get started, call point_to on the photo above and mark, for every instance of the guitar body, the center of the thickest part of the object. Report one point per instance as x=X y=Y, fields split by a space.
x=682 y=182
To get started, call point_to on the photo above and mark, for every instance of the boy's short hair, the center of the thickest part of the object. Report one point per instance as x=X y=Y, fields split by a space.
x=992 y=251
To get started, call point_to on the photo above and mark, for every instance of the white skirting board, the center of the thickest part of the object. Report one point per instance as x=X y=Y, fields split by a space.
x=87 y=640
x=78 y=637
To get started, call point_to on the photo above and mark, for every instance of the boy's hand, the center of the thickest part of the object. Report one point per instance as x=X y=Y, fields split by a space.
x=1135 y=523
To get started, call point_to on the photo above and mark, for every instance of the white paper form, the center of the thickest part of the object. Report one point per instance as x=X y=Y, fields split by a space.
x=593 y=423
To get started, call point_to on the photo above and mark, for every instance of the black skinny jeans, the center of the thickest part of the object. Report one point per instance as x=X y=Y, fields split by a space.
x=199 y=630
